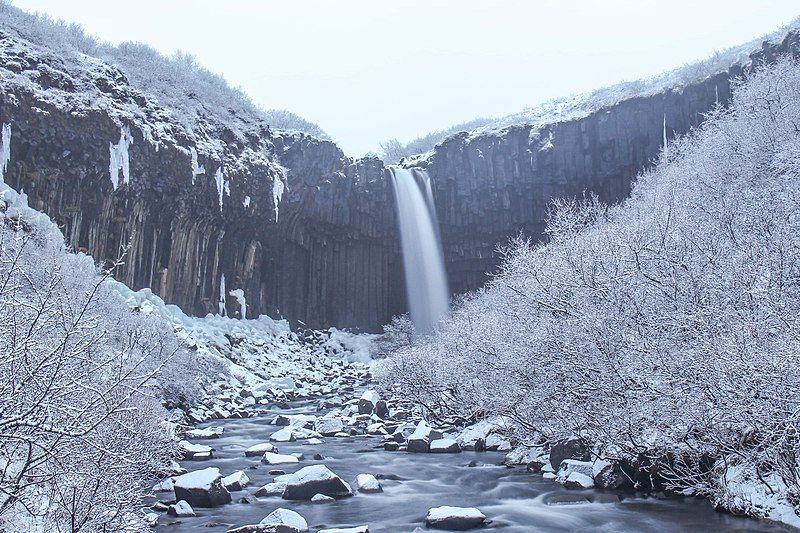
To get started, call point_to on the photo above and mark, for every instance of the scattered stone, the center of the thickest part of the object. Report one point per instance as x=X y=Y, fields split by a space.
x=444 y=446
x=328 y=426
x=247 y=499
x=318 y=457
x=286 y=434
x=236 y=481
x=275 y=488
x=160 y=507
x=367 y=402
x=366 y=483
x=181 y=510
x=567 y=499
x=315 y=479
x=286 y=518
x=357 y=529
x=193 y=452
x=260 y=449
x=202 y=488
x=576 y=480
x=391 y=446
x=278 y=459
x=454 y=518
x=276 y=472
x=314 y=441
x=321 y=498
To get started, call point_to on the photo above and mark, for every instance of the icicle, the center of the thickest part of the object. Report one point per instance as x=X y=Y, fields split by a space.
x=277 y=194
x=119 y=158
x=239 y=295
x=222 y=295
x=196 y=169
x=5 y=151
x=666 y=149
x=716 y=94
x=219 y=180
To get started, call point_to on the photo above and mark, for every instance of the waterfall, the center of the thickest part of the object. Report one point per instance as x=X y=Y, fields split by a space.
x=426 y=283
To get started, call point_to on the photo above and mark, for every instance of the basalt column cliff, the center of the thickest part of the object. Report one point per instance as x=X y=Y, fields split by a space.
x=305 y=232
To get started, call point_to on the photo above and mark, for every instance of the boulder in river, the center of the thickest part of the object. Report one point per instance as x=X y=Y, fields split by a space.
x=286 y=434
x=609 y=475
x=367 y=484
x=275 y=488
x=329 y=426
x=258 y=450
x=194 y=452
x=321 y=498
x=236 y=481
x=357 y=529
x=454 y=518
x=181 y=509
x=576 y=480
x=315 y=479
x=419 y=441
x=278 y=521
x=202 y=488
x=444 y=446
x=278 y=459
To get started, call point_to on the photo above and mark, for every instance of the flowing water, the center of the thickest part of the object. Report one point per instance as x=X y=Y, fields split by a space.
x=516 y=501
x=423 y=262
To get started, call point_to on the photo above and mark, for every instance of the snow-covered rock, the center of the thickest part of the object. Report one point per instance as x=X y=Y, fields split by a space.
x=576 y=480
x=278 y=459
x=457 y=518
x=195 y=451
x=288 y=519
x=367 y=402
x=284 y=435
x=258 y=450
x=321 y=498
x=315 y=479
x=236 y=481
x=181 y=509
x=444 y=446
x=570 y=466
x=419 y=440
x=328 y=426
x=275 y=488
x=367 y=484
x=202 y=488
x=356 y=529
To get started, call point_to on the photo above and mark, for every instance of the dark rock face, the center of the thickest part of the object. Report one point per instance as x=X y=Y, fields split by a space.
x=331 y=258
x=572 y=448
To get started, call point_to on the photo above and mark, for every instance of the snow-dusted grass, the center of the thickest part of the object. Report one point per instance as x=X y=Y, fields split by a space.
x=666 y=326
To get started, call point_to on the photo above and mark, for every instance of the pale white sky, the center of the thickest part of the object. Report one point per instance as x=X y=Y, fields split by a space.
x=368 y=70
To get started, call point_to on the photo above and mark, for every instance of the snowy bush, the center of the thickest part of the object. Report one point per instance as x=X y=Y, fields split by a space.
x=81 y=422
x=667 y=325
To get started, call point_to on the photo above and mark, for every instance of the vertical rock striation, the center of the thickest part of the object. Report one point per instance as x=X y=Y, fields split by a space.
x=327 y=252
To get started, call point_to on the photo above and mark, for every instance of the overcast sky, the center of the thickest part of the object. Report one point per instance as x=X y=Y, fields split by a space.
x=368 y=70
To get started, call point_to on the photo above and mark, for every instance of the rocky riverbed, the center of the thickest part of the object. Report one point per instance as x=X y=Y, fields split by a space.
x=328 y=472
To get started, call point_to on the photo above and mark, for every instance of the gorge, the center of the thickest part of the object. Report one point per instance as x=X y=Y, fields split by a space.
x=305 y=232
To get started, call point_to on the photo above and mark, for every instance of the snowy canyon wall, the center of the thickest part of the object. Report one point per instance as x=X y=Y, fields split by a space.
x=305 y=232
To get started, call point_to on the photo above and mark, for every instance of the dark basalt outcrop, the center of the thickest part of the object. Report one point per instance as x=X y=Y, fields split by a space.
x=331 y=255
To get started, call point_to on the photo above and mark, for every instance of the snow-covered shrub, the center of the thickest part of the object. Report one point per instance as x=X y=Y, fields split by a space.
x=667 y=325
x=81 y=422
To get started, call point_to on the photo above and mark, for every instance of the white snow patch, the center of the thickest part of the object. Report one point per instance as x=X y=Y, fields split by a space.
x=221 y=303
x=278 y=189
x=218 y=179
x=196 y=168
x=239 y=295
x=119 y=159
x=246 y=202
x=5 y=150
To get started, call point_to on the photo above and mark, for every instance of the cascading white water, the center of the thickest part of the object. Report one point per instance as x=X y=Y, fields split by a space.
x=426 y=282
